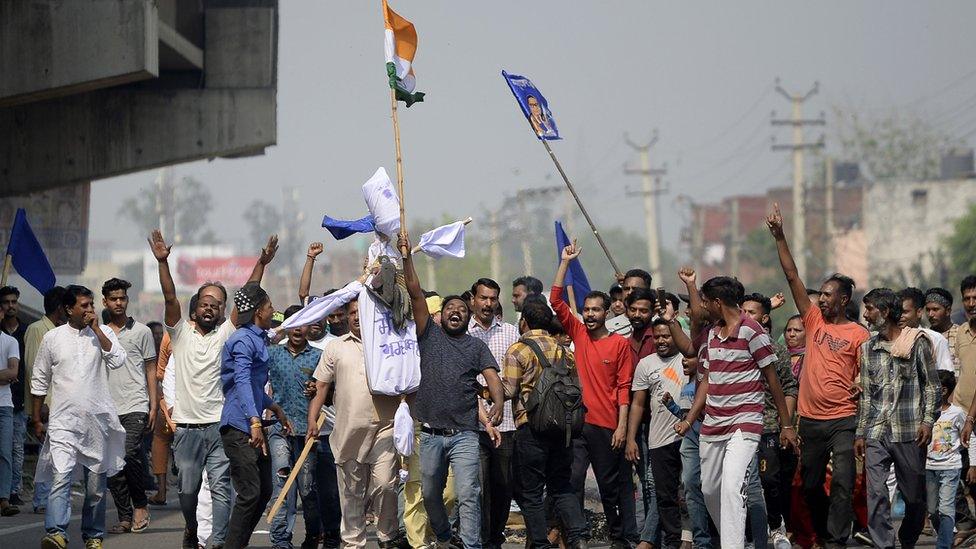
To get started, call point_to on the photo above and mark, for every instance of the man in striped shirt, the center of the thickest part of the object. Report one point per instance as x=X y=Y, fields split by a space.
x=731 y=392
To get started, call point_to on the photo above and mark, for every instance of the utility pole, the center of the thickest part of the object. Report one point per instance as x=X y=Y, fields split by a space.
x=650 y=188
x=431 y=274
x=736 y=240
x=829 y=217
x=798 y=147
x=495 y=260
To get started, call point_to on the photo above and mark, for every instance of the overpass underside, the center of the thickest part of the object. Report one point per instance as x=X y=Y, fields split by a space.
x=97 y=88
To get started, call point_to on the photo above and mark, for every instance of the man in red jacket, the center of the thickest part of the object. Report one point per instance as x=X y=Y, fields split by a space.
x=606 y=368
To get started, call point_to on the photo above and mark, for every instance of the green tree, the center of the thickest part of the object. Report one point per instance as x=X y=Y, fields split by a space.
x=183 y=207
x=891 y=146
x=961 y=247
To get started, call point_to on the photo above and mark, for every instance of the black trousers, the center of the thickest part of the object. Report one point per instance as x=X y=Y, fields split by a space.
x=964 y=515
x=250 y=472
x=545 y=466
x=666 y=468
x=496 y=487
x=777 y=466
x=128 y=486
x=824 y=441
x=613 y=478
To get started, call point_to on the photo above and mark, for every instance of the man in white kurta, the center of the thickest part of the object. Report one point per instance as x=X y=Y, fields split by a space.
x=84 y=436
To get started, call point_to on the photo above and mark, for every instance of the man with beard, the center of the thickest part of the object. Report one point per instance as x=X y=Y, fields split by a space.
x=631 y=280
x=363 y=438
x=827 y=407
x=196 y=355
x=496 y=461
x=10 y=325
x=659 y=374
x=938 y=310
x=83 y=434
x=966 y=351
x=133 y=388
x=913 y=305
x=639 y=308
x=900 y=399
x=606 y=368
x=447 y=407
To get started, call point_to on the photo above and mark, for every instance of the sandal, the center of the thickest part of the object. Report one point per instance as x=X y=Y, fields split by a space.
x=157 y=501
x=141 y=527
x=121 y=528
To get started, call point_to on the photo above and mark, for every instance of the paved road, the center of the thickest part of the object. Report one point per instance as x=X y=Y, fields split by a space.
x=24 y=531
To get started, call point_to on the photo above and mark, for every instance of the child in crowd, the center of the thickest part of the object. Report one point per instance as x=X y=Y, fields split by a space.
x=944 y=463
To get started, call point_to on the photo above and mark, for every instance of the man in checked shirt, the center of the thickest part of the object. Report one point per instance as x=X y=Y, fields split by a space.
x=496 y=462
x=898 y=405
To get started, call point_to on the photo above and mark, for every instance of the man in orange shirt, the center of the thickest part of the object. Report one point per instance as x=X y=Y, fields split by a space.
x=827 y=405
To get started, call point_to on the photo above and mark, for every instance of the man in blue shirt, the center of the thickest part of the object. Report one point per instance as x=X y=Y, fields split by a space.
x=243 y=375
x=290 y=367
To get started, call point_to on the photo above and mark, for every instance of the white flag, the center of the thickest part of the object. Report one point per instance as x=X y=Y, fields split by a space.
x=322 y=307
x=383 y=203
x=446 y=241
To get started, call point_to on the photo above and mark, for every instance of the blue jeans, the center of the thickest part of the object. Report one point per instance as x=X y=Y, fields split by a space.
x=6 y=449
x=691 y=478
x=756 y=505
x=327 y=488
x=20 y=435
x=196 y=449
x=651 y=528
x=58 y=513
x=461 y=453
x=284 y=453
x=941 y=491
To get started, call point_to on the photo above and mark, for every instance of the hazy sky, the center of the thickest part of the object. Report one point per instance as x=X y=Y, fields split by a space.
x=700 y=72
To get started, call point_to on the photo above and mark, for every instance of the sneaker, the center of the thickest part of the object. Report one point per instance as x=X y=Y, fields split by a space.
x=331 y=540
x=54 y=541
x=93 y=543
x=780 y=539
x=15 y=499
x=863 y=538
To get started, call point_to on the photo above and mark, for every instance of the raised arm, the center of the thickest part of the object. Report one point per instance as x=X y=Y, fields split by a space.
x=775 y=224
x=421 y=314
x=161 y=251
x=570 y=323
x=267 y=255
x=690 y=278
x=305 y=283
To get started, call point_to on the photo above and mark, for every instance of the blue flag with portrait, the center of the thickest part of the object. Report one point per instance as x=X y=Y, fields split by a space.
x=575 y=276
x=534 y=106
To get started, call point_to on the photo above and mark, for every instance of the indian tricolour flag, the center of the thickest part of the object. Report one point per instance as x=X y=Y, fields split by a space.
x=400 y=46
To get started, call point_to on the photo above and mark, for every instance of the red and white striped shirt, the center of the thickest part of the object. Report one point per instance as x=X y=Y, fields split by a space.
x=736 y=390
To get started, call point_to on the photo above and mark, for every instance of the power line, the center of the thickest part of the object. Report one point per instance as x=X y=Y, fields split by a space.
x=720 y=135
x=734 y=154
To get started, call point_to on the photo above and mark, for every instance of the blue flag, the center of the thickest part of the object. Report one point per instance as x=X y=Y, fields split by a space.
x=27 y=256
x=341 y=229
x=534 y=106
x=575 y=276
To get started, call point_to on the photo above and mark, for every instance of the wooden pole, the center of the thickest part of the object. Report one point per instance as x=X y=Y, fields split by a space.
x=7 y=259
x=571 y=296
x=579 y=203
x=294 y=470
x=399 y=158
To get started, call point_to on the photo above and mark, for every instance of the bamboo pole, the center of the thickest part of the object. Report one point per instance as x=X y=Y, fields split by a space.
x=294 y=470
x=579 y=203
x=571 y=295
x=399 y=159
x=7 y=259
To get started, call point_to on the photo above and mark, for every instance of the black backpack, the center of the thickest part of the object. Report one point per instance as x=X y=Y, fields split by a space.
x=555 y=405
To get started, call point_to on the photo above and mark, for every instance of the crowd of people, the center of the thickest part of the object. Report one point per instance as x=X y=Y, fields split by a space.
x=739 y=435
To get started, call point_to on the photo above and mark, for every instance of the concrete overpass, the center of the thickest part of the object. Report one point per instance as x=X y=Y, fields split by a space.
x=96 y=88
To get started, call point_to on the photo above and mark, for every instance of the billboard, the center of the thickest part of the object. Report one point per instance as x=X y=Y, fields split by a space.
x=59 y=218
x=192 y=266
